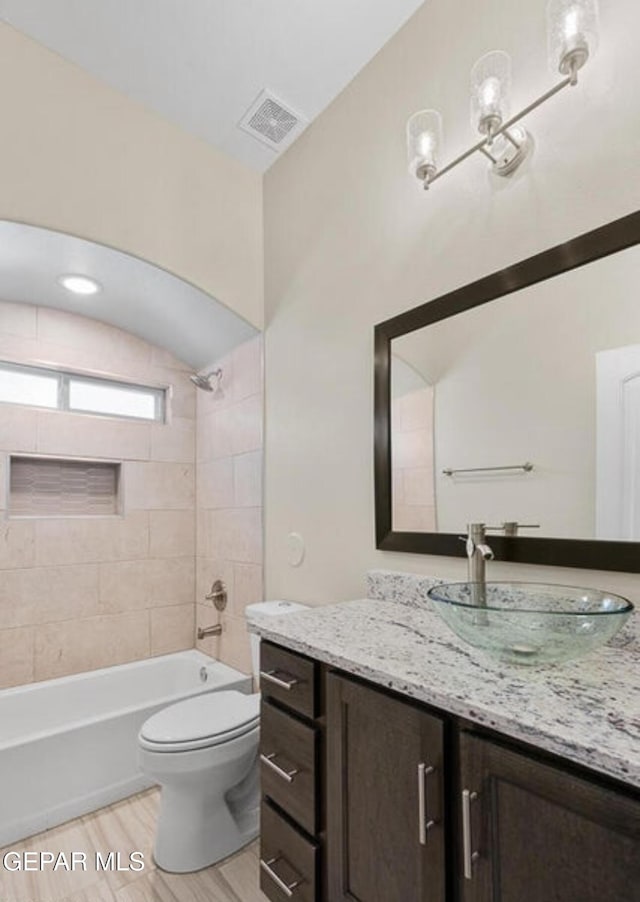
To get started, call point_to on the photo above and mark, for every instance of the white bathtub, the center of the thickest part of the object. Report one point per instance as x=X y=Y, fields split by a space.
x=69 y=745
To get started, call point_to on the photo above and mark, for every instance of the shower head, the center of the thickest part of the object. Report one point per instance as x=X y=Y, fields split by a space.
x=208 y=381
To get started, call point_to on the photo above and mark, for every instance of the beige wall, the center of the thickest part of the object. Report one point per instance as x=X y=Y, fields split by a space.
x=350 y=239
x=229 y=500
x=82 y=158
x=82 y=593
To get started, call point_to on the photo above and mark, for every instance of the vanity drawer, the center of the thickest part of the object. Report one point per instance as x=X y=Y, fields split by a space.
x=288 y=765
x=288 y=861
x=289 y=678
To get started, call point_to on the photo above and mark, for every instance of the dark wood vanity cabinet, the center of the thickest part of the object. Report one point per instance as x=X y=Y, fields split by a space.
x=371 y=797
x=385 y=798
x=533 y=832
x=290 y=768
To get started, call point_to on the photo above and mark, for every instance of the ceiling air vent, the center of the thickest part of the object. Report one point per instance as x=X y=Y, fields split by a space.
x=268 y=120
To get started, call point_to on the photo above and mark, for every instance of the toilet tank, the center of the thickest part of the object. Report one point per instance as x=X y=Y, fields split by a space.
x=268 y=609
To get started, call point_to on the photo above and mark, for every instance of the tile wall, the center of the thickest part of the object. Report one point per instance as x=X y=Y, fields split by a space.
x=414 y=508
x=78 y=594
x=229 y=500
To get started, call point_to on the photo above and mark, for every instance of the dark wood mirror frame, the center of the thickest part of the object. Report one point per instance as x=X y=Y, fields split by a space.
x=595 y=554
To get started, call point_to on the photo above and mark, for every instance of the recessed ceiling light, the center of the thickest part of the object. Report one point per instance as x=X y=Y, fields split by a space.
x=79 y=284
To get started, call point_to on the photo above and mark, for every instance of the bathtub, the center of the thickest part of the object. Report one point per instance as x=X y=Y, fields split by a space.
x=69 y=746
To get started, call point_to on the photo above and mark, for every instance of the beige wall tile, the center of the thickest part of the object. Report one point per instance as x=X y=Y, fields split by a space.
x=16 y=657
x=414 y=518
x=124 y=586
x=236 y=535
x=247 y=369
x=17 y=544
x=210 y=402
x=172 y=581
x=204 y=533
x=89 y=585
x=18 y=428
x=215 y=483
x=75 y=646
x=215 y=434
x=248 y=587
x=81 y=540
x=247 y=479
x=182 y=395
x=419 y=486
x=232 y=647
x=413 y=449
x=18 y=319
x=174 y=441
x=171 y=533
x=172 y=629
x=45 y=594
x=82 y=435
x=136 y=585
x=211 y=644
x=68 y=329
x=247 y=425
x=415 y=410
x=159 y=486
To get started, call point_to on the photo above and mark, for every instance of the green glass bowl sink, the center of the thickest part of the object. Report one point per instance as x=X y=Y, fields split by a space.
x=530 y=623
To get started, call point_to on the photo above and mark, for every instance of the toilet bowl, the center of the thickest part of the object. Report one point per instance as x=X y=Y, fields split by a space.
x=203 y=752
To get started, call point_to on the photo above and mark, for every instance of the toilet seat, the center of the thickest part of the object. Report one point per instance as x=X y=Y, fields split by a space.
x=207 y=720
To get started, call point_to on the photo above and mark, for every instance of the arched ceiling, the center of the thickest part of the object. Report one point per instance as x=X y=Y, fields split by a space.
x=136 y=295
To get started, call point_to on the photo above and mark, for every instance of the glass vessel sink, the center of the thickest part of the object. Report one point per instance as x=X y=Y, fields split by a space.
x=530 y=623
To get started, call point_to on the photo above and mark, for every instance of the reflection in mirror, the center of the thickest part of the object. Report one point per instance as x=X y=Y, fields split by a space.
x=547 y=376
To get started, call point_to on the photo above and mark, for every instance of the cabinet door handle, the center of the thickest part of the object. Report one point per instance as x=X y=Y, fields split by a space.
x=287 y=888
x=424 y=822
x=287 y=775
x=469 y=855
x=270 y=677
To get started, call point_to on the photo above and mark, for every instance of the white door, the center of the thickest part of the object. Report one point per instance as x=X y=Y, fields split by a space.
x=618 y=444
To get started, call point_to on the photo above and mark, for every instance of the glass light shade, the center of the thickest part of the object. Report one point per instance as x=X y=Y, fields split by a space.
x=490 y=88
x=572 y=31
x=424 y=140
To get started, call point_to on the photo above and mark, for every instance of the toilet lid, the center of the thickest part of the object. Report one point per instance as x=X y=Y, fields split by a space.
x=204 y=720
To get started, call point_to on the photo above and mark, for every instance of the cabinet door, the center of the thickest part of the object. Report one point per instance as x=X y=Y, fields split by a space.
x=535 y=833
x=385 y=798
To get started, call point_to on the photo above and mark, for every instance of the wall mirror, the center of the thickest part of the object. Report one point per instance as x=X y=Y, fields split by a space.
x=515 y=401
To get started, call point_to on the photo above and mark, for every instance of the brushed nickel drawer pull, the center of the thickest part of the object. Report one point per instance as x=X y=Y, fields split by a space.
x=469 y=855
x=270 y=677
x=287 y=775
x=287 y=888
x=424 y=822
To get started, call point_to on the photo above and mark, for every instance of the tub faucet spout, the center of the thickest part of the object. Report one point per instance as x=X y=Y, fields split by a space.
x=214 y=630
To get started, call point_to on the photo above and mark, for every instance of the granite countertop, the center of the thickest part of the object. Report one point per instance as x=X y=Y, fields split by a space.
x=587 y=711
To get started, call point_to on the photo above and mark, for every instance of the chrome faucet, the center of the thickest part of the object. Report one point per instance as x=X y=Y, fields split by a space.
x=478 y=553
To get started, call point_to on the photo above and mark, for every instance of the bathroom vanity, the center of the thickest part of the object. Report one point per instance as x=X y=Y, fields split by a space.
x=400 y=766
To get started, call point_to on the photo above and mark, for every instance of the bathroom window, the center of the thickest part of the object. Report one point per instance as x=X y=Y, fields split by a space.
x=49 y=487
x=39 y=387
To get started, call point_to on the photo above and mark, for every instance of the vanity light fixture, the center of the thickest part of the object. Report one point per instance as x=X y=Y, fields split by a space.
x=572 y=27
x=78 y=284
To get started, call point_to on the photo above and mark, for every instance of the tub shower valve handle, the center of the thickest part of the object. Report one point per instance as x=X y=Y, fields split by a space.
x=218 y=595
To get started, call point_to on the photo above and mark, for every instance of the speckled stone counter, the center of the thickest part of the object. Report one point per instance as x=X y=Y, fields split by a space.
x=587 y=711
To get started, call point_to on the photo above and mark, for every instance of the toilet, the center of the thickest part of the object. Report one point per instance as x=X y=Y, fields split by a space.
x=203 y=752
